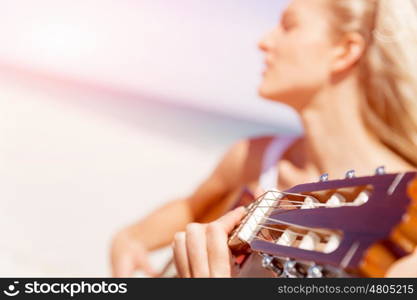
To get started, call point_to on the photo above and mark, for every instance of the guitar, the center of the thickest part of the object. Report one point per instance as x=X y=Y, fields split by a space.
x=355 y=227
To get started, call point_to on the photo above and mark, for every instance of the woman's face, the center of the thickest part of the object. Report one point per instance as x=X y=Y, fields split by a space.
x=297 y=54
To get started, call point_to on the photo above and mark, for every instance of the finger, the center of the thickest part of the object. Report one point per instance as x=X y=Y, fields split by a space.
x=259 y=191
x=218 y=251
x=180 y=256
x=229 y=221
x=144 y=265
x=122 y=267
x=197 y=250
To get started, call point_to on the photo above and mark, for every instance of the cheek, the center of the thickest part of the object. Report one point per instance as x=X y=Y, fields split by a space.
x=299 y=67
x=303 y=60
x=310 y=56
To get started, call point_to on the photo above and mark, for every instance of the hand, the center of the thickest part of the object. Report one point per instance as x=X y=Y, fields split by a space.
x=405 y=268
x=128 y=255
x=202 y=250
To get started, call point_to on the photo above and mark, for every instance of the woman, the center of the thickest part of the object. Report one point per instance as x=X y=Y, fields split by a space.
x=346 y=66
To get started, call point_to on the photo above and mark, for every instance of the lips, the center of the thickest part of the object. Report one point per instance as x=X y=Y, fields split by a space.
x=268 y=64
x=267 y=67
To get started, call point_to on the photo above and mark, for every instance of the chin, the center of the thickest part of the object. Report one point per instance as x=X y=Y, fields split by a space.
x=283 y=97
x=269 y=94
x=264 y=92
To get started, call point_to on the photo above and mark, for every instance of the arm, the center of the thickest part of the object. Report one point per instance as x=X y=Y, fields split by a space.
x=131 y=245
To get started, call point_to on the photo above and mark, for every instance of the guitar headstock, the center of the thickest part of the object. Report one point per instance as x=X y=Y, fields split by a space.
x=349 y=227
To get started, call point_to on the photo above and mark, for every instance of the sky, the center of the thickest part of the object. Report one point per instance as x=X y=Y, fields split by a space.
x=60 y=161
x=201 y=53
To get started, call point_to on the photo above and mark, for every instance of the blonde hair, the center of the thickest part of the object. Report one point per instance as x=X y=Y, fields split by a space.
x=388 y=69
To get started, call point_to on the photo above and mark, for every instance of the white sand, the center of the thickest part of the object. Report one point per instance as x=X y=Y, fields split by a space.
x=70 y=177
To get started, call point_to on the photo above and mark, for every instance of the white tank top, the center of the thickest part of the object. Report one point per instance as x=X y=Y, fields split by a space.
x=269 y=175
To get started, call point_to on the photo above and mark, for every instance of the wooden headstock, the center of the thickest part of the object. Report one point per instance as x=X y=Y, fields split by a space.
x=350 y=227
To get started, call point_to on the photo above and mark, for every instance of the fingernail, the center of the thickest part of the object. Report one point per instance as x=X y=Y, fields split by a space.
x=241 y=209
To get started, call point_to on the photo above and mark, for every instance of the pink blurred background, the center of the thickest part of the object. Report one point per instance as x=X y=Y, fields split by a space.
x=108 y=109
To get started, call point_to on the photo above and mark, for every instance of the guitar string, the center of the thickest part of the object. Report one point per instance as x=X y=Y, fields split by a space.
x=256 y=236
x=283 y=257
x=315 y=205
x=262 y=198
x=251 y=215
x=279 y=197
x=301 y=203
x=281 y=230
x=324 y=235
x=319 y=231
x=302 y=235
x=256 y=231
x=278 y=206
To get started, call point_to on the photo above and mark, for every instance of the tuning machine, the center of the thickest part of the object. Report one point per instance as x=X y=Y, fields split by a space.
x=272 y=264
x=350 y=174
x=293 y=269
x=315 y=271
x=324 y=177
x=380 y=170
x=283 y=268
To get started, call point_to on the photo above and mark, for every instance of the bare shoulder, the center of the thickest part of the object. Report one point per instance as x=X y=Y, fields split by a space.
x=243 y=161
x=241 y=164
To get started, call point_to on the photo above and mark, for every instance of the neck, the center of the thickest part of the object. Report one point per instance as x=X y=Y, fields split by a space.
x=336 y=139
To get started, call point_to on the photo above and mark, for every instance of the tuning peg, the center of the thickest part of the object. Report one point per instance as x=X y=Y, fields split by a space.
x=350 y=174
x=272 y=264
x=267 y=261
x=324 y=177
x=315 y=271
x=380 y=170
x=290 y=270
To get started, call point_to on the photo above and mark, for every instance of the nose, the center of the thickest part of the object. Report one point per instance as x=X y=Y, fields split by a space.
x=264 y=42
x=262 y=45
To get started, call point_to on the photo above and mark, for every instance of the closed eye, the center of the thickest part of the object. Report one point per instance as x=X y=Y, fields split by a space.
x=288 y=21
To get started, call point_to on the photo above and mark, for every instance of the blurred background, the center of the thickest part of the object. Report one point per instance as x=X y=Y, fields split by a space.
x=108 y=109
